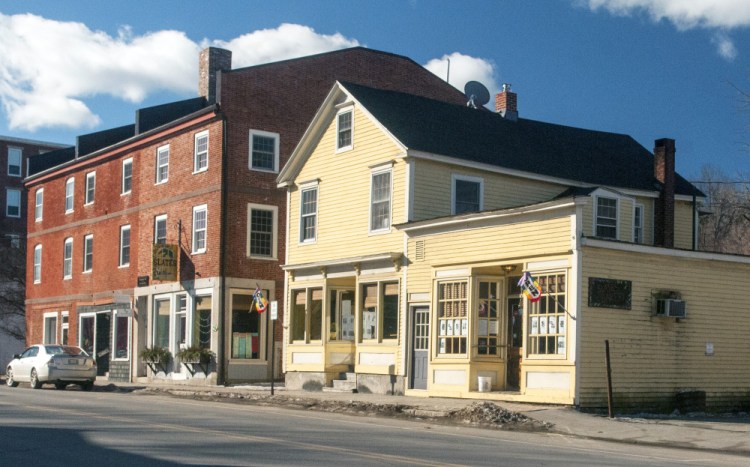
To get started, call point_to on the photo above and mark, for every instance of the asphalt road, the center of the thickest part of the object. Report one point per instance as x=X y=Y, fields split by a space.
x=72 y=427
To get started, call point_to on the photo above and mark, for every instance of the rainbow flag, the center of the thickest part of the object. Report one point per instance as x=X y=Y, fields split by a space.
x=260 y=301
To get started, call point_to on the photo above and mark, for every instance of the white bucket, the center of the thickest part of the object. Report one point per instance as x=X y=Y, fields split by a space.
x=484 y=383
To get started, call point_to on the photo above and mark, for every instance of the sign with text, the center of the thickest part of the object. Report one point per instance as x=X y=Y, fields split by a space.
x=274 y=310
x=165 y=260
x=610 y=293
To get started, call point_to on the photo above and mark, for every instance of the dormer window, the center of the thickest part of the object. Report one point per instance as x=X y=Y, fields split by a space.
x=467 y=194
x=606 y=218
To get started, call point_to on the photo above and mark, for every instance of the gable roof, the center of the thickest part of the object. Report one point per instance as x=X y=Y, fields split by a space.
x=478 y=135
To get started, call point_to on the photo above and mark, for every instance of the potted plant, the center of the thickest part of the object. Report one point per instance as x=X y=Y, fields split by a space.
x=195 y=355
x=156 y=358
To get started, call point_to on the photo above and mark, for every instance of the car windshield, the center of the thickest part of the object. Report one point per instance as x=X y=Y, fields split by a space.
x=63 y=349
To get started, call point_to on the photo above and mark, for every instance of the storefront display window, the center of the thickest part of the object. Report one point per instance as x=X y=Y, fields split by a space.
x=547 y=317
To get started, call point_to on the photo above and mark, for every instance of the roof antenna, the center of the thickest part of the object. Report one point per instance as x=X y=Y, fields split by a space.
x=476 y=93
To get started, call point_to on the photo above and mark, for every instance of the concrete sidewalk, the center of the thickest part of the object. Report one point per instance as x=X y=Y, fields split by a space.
x=728 y=434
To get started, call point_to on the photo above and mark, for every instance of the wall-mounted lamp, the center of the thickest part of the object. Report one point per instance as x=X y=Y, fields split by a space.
x=508 y=268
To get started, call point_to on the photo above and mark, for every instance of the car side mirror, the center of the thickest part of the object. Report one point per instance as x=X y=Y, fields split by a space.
x=16 y=355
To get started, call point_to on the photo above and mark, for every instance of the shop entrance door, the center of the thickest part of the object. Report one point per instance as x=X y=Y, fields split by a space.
x=95 y=337
x=420 y=348
x=515 y=343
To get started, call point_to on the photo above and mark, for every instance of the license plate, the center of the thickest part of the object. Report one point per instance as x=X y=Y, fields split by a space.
x=72 y=361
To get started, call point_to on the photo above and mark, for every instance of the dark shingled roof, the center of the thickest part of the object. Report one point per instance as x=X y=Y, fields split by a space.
x=478 y=135
x=41 y=162
x=149 y=118
x=93 y=142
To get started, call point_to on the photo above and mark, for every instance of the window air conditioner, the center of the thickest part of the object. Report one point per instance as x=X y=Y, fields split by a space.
x=670 y=307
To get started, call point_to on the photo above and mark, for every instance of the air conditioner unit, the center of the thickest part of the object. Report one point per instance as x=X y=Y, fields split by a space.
x=670 y=307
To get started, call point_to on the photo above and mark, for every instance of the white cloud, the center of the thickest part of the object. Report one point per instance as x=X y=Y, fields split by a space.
x=286 y=41
x=464 y=68
x=722 y=15
x=50 y=68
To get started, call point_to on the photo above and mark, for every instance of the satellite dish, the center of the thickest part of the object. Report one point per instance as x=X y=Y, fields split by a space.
x=476 y=93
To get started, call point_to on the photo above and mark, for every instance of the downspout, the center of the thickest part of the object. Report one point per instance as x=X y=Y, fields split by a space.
x=695 y=225
x=221 y=376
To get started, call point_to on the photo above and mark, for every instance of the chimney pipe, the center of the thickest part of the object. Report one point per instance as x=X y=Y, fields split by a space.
x=506 y=103
x=211 y=61
x=664 y=172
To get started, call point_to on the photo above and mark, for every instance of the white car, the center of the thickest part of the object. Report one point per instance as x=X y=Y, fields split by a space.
x=52 y=364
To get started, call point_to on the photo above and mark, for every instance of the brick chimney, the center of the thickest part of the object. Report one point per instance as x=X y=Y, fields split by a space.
x=664 y=153
x=210 y=62
x=506 y=103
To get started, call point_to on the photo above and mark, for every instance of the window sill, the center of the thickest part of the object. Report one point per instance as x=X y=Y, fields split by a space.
x=69 y=212
x=262 y=258
x=67 y=278
x=200 y=171
x=123 y=266
x=344 y=149
x=125 y=194
x=198 y=252
x=259 y=169
x=161 y=182
x=87 y=272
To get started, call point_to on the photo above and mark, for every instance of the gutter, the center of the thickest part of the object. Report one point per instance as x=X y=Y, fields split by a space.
x=221 y=361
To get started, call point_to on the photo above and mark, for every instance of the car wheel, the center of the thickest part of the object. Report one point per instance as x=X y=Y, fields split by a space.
x=9 y=378
x=87 y=386
x=34 y=380
x=60 y=386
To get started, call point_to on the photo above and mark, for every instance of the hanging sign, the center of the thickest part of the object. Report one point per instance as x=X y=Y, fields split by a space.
x=165 y=260
x=531 y=288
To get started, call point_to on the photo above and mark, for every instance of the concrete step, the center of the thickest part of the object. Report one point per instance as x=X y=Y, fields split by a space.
x=348 y=376
x=342 y=385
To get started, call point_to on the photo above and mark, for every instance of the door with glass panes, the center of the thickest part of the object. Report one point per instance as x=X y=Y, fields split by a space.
x=420 y=354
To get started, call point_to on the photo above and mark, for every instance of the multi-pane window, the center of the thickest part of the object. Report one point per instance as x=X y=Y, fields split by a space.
x=488 y=317
x=606 y=217
x=264 y=150
x=341 y=316
x=638 y=223
x=14 y=162
x=308 y=214
x=68 y=258
x=261 y=231
x=453 y=324
x=160 y=229
x=50 y=329
x=70 y=185
x=380 y=199
x=13 y=203
x=202 y=321
x=39 y=204
x=547 y=317
x=344 y=130
x=467 y=195
x=127 y=176
x=90 y=187
x=380 y=311
x=162 y=164
x=199 y=228
x=162 y=322
x=88 y=253
x=200 y=159
x=125 y=245
x=307 y=314
x=38 y=264
x=64 y=328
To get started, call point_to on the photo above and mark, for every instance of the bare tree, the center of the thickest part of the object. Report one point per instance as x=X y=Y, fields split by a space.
x=13 y=287
x=725 y=218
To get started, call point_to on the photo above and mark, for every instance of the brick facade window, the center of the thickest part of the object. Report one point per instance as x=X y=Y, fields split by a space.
x=262 y=231
x=14 y=161
x=125 y=245
x=68 y=258
x=88 y=253
x=13 y=203
x=38 y=264
x=160 y=229
x=200 y=160
x=264 y=151
x=200 y=214
x=127 y=176
x=162 y=164
x=39 y=204
x=69 y=194
x=90 y=187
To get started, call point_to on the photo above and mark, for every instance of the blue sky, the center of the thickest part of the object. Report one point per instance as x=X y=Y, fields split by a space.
x=647 y=68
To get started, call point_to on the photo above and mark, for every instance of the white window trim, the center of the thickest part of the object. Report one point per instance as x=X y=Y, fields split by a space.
x=122 y=230
x=7 y=202
x=72 y=183
x=196 y=209
x=348 y=108
x=67 y=241
x=466 y=178
x=46 y=316
x=195 y=151
x=39 y=205
x=37 y=265
x=128 y=161
x=157 y=219
x=315 y=185
x=170 y=297
x=276 y=137
x=274 y=233
x=159 y=150
x=114 y=338
x=640 y=206
x=375 y=172
x=87 y=201
x=617 y=215
x=20 y=161
x=86 y=251
x=64 y=326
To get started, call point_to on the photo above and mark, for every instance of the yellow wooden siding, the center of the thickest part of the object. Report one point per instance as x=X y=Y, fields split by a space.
x=683 y=225
x=653 y=357
x=344 y=196
x=625 y=220
x=433 y=185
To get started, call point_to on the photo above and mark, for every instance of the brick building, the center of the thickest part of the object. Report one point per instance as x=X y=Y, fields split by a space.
x=190 y=184
x=14 y=156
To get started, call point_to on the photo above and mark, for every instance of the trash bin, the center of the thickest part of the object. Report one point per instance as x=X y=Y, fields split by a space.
x=484 y=383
